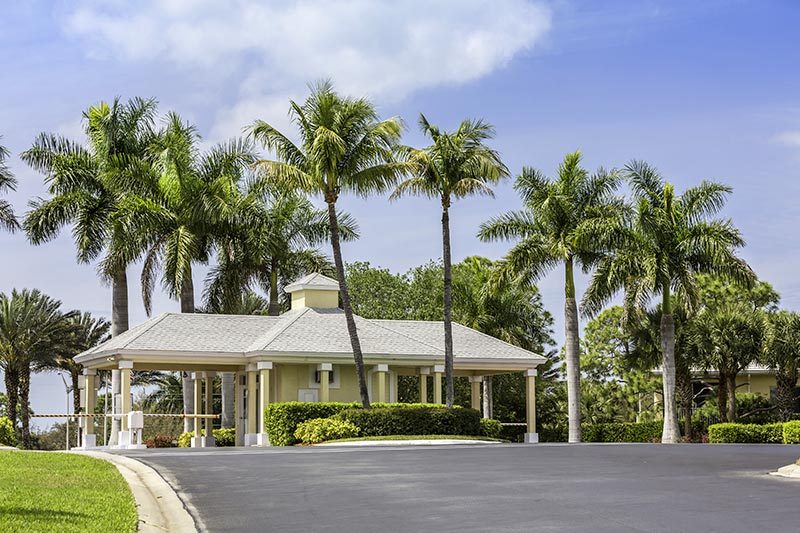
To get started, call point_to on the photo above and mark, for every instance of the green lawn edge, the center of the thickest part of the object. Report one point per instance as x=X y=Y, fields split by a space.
x=417 y=437
x=63 y=492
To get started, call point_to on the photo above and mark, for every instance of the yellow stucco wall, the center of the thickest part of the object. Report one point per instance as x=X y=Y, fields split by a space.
x=291 y=378
x=312 y=298
x=760 y=384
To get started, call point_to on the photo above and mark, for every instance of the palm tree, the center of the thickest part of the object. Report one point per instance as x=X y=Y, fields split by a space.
x=85 y=332
x=7 y=183
x=182 y=201
x=728 y=339
x=167 y=396
x=85 y=186
x=32 y=329
x=782 y=354
x=344 y=148
x=271 y=242
x=456 y=165
x=672 y=239
x=565 y=221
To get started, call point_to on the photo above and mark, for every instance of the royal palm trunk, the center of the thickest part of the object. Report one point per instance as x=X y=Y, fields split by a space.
x=572 y=353
x=671 y=431
x=358 y=357
x=684 y=393
x=487 y=397
x=76 y=392
x=722 y=396
x=274 y=308
x=448 y=302
x=119 y=325
x=731 y=386
x=187 y=306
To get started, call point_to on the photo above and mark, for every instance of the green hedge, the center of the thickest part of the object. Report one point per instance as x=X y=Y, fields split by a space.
x=414 y=420
x=746 y=433
x=319 y=430
x=791 y=432
x=281 y=419
x=491 y=428
x=623 y=432
x=7 y=437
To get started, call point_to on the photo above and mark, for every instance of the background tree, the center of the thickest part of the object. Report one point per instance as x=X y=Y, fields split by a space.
x=560 y=223
x=32 y=329
x=7 y=183
x=344 y=148
x=782 y=354
x=271 y=242
x=458 y=164
x=672 y=239
x=86 y=185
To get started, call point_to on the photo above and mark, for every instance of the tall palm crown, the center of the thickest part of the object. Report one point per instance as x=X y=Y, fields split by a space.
x=456 y=165
x=32 y=329
x=87 y=183
x=672 y=238
x=182 y=201
x=565 y=221
x=343 y=148
x=272 y=241
x=7 y=183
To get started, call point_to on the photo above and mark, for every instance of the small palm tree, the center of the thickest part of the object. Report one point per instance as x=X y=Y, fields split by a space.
x=344 y=148
x=673 y=238
x=85 y=332
x=167 y=396
x=566 y=220
x=456 y=165
x=271 y=241
x=32 y=329
x=7 y=183
x=782 y=354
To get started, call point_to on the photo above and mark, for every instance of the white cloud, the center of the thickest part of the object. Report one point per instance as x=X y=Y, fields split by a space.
x=385 y=49
x=789 y=138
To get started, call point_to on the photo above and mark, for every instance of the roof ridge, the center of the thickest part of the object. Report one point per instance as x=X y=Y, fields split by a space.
x=273 y=333
x=404 y=334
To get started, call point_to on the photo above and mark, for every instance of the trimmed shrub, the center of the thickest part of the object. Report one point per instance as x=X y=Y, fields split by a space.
x=185 y=439
x=491 y=428
x=623 y=432
x=224 y=437
x=791 y=432
x=7 y=437
x=281 y=419
x=319 y=430
x=728 y=433
x=414 y=420
x=161 y=441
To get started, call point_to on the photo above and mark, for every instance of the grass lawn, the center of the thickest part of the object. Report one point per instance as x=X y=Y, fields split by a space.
x=419 y=437
x=51 y=491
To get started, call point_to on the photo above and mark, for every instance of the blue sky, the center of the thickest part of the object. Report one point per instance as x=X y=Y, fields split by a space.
x=699 y=89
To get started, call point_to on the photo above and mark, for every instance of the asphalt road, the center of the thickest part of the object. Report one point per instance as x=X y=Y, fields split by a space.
x=595 y=488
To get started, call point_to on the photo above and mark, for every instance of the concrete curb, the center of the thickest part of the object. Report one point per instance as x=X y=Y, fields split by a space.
x=792 y=471
x=431 y=442
x=158 y=506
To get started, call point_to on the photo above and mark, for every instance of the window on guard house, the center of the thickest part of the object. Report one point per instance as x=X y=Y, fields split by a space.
x=317 y=373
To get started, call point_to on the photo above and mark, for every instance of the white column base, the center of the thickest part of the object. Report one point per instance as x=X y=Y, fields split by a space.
x=208 y=442
x=251 y=439
x=262 y=439
x=89 y=443
x=531 y=438
x=196 y=442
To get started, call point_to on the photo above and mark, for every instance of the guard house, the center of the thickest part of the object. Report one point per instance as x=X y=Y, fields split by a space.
x=301 y=355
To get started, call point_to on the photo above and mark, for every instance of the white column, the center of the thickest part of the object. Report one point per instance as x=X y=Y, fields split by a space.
x=423 y=384
x=264 y=368
x=438 y=370
x=475 y=392
x=324 y=370
x=89 y=400
x=208 y=440
x=238 y=410
x=197 y=381
x=251 y=435
x=125 y=368
x=382 y=370
x=530 y=377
